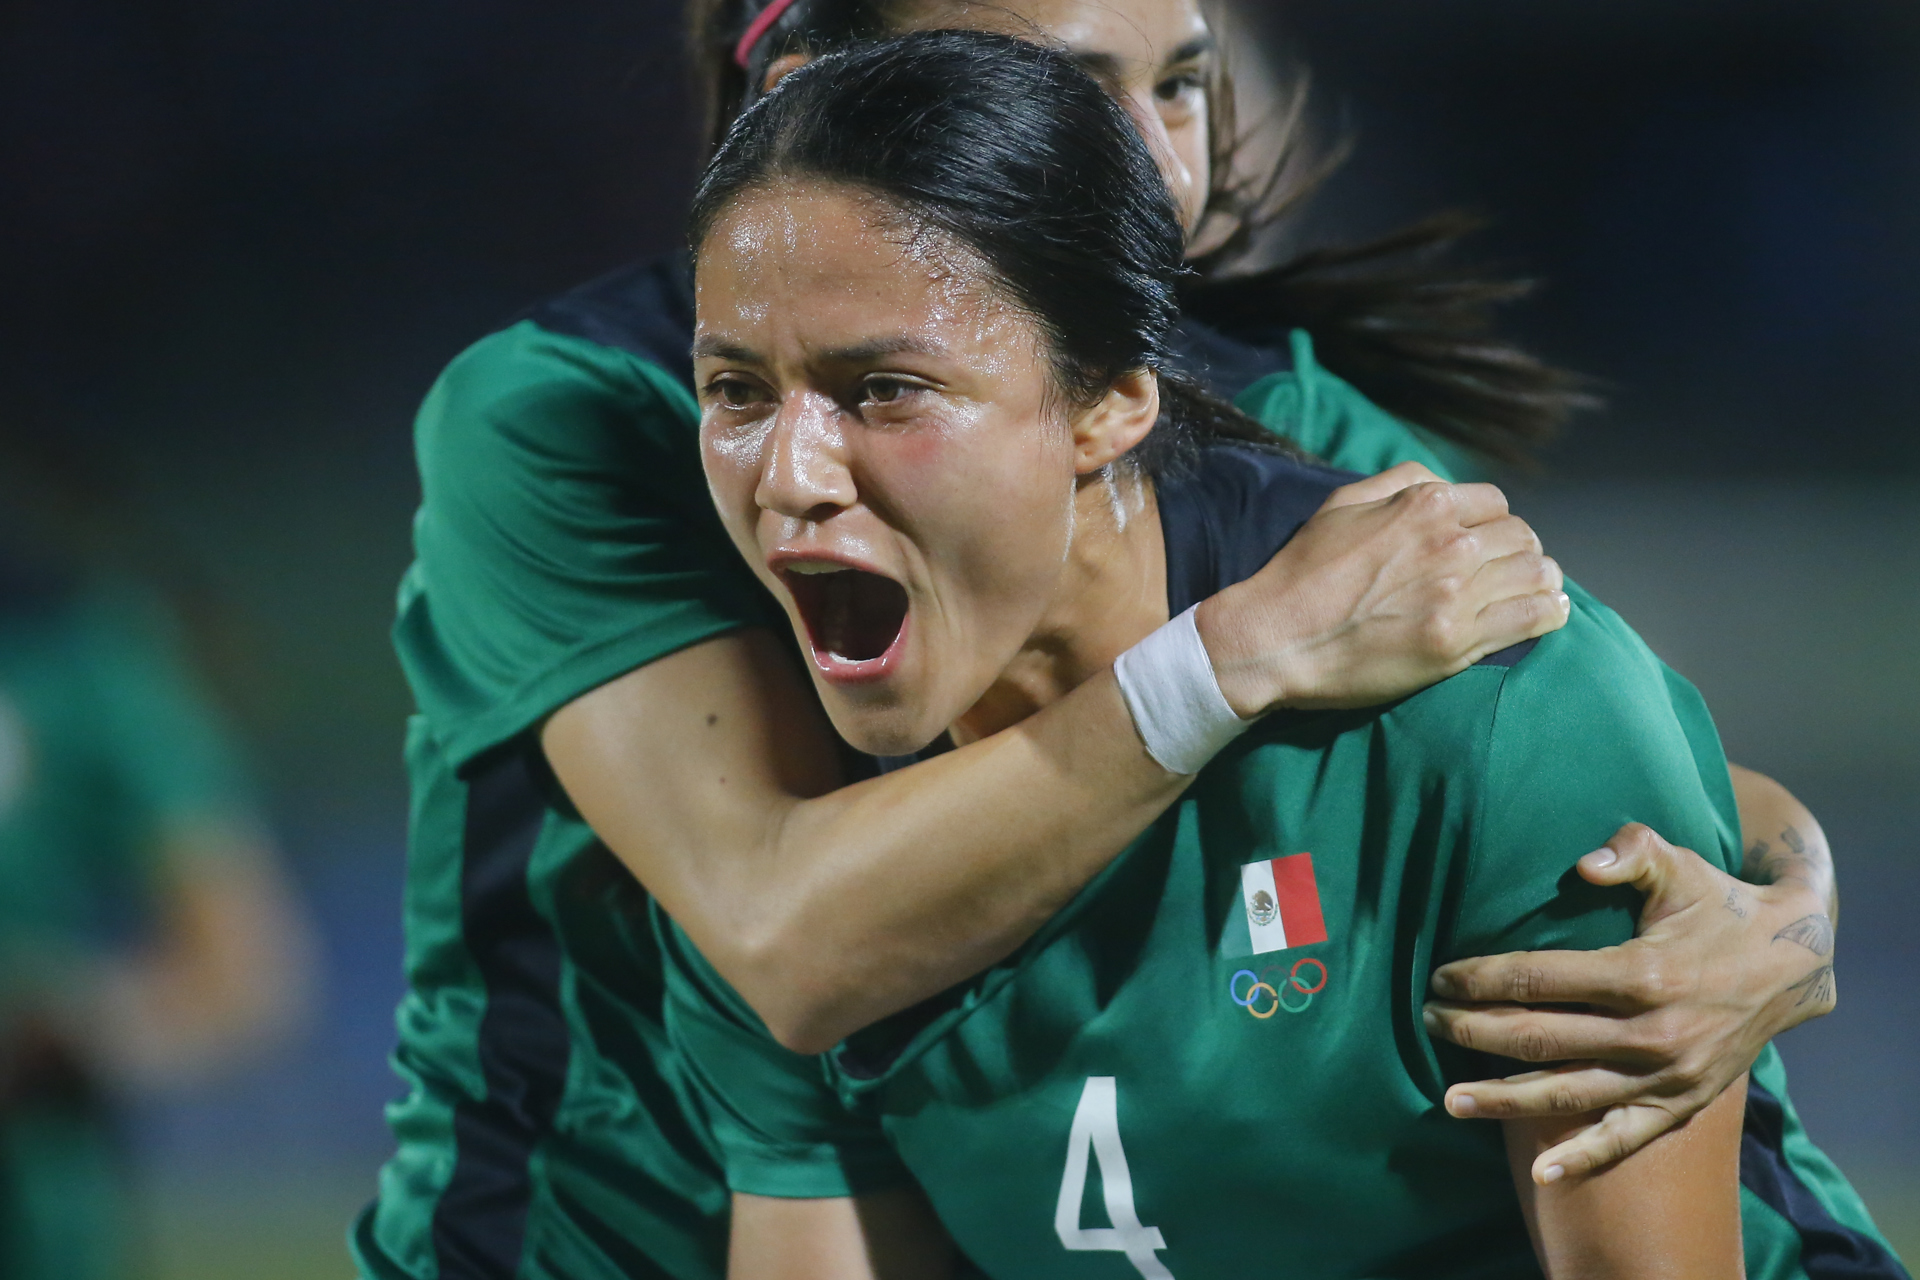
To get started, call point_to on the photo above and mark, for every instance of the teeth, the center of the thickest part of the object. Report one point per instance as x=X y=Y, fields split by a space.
x=814 y=567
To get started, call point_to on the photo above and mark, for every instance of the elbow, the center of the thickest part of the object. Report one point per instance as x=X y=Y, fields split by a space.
x=805 y=1031
x=805 y=1007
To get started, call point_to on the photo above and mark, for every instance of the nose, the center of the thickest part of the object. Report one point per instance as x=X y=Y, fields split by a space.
x=804 y=474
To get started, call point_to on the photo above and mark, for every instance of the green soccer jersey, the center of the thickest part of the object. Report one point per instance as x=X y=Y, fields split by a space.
x=1212 y=1065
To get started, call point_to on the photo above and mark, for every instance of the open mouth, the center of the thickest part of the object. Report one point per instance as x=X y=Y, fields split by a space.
x=852 y=616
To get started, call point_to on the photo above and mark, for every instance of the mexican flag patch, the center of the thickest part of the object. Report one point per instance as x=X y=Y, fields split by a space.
x=1281 y=906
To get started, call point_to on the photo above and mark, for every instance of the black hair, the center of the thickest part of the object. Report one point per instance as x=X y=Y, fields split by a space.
x=1394 y=316
x=1024 y=162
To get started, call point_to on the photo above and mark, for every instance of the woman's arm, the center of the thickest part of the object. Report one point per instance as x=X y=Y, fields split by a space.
x=892 y=1235
x=711 y=773
x=1719 y=967
x=1671 y=1211
x=229 y=970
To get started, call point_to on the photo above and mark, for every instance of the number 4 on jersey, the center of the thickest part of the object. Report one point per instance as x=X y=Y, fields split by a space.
x=1096 y=1127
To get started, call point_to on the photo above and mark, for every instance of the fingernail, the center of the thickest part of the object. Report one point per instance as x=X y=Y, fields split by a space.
x=1462 y=1105
x=1600 y=859
x=1553 y=1173
x=1443 y=985
x=1430 y=1019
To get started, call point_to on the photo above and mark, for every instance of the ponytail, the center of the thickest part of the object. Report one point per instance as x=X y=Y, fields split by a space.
x=1412 y=330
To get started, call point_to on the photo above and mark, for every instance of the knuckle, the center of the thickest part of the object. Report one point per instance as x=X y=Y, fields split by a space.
x=1440 y=632
x=1534 y=1043
x=1638 y=837
x=1565 y=1100
x=1650 y=983
x=1433 y=499
x=1461 y=546
x=1526 y=983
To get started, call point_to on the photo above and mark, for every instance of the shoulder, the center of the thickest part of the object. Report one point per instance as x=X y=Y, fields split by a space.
x=644 y=309
x=1224 y=364
x=1227 y=513
x=1587 y=735
x=527 y=387
x=605 y=360
x=1329 y=418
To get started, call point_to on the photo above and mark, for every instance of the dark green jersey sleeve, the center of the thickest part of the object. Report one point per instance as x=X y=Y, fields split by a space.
x=781 y=1124
x=564 y=536
x=1325 y=415
x=1590 y=731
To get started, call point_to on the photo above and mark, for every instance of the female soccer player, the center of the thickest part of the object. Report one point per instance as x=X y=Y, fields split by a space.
x=941 y=422
x=147 y=936
x=601 y=699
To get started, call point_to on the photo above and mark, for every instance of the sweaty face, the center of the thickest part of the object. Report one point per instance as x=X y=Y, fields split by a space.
x=879 y=438
x=1156 y=56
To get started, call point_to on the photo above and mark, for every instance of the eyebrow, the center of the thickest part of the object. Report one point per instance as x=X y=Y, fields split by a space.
x=715 y=348
x=711 y=348
x=1108 y=68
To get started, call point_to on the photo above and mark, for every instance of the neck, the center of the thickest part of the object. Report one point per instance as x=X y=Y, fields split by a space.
x=1112 y=592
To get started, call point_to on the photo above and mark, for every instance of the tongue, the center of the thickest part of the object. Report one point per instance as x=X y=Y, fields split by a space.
x=857 y=615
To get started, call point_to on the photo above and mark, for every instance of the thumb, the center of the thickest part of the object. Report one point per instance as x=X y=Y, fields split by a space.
x=1671 y=877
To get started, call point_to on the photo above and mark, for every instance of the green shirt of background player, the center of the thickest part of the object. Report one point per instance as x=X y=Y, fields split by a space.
x=573 y=610
x=146 y=938
x=941 y=423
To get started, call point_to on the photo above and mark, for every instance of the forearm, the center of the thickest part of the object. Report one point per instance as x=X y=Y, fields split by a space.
x=229 y=971
x=1784 y=843
x=711 y=772
x=1670 y=1211
x=1069 y=789
x=829 y=909
x=892 y=1235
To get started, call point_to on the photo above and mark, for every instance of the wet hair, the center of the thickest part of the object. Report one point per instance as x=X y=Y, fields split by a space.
x=1395 y=316
x=1013 y=154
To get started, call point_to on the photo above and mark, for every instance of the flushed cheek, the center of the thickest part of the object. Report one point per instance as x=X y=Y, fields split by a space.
x=984 y=548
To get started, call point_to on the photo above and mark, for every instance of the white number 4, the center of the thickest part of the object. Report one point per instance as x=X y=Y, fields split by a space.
x=1096 y=1126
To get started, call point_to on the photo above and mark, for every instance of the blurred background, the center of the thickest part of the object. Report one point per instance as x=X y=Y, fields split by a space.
x=240 y=239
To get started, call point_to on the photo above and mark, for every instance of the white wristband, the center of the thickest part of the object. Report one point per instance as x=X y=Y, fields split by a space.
x=1175 y=699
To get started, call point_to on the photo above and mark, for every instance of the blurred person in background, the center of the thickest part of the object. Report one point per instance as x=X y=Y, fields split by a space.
x=603 y=715
x=148 y=939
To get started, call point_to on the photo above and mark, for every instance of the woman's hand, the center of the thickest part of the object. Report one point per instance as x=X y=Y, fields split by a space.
x=1719 y=968
x=1399 y=581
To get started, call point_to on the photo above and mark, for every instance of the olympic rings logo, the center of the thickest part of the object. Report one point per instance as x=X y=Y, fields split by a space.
x=1261 y=992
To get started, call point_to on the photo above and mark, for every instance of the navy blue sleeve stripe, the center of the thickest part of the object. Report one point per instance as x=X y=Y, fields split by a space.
x=480 y=1222
x=1829 y=1249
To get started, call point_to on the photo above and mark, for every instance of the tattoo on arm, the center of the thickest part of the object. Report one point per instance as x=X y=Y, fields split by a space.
x=1814 y=932
x=1816 y=987
x=1766 y=863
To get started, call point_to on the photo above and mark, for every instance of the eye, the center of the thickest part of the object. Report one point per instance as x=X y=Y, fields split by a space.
x=730 y=391
x=1179 y=85
x=887 y=389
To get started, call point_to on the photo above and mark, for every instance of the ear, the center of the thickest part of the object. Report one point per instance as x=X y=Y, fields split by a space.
x=782 y=67
x=1120 y=420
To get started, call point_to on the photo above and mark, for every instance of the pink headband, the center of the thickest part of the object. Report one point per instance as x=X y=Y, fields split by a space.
x=757 y=28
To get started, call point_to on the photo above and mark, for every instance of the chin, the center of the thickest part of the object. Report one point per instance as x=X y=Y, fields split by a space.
x=881 y=726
